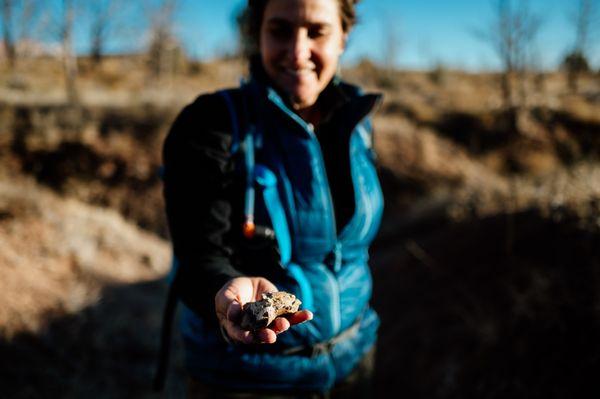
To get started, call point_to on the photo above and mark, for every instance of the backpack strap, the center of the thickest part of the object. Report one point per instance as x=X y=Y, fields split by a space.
x=166 y=333
x=172 y=293
x=235 y=123
x=249 y=146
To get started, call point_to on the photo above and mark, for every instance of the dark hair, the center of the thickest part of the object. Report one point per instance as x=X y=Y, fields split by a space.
x=251 y=18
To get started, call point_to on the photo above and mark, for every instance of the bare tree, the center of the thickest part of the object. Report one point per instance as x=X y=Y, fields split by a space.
x=390 y=47
x=583 y=19
x=164 y=48
x=101 y=13
x=391 y=43
x=19 y=18
x=8 y=32
x=245 y=45
x=511 y=34
x=106 y=19
x=582 y=22
x=68 y=54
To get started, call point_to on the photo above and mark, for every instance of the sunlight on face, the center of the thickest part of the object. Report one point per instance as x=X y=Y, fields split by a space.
x=301 y=42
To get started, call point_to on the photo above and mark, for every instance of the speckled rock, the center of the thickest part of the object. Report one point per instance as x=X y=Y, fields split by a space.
x=261 y=313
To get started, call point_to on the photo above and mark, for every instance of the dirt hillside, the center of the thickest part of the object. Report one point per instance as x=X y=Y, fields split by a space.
x=485 y=270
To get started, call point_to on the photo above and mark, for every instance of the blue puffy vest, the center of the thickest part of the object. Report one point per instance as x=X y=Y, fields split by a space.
x=288 y=191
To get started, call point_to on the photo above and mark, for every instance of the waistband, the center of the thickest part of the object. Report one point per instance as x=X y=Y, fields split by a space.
x=320 y=348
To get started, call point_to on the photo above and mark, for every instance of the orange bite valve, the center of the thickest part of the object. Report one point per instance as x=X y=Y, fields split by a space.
x=249 y=229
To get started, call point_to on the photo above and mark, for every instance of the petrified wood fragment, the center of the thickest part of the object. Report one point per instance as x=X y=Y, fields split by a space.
x=261 y=313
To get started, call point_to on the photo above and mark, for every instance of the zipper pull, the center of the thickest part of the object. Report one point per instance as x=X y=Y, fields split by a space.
x=249 y=228
x=337 y=252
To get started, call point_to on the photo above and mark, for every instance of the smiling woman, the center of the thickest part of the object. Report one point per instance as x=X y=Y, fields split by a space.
x=300 y=47
x=271 y=186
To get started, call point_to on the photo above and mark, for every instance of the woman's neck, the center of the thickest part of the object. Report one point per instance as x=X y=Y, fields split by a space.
x=310 y=114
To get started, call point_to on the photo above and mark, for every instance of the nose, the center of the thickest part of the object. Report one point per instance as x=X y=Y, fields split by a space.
x=299 y=48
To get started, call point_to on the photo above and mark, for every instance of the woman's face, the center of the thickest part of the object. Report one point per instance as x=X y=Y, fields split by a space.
x=301 y=42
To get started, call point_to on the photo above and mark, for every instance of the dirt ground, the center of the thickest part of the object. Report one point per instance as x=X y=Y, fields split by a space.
x=486 y=269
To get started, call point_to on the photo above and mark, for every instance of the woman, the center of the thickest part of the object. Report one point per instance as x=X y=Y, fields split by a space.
x=269 y=187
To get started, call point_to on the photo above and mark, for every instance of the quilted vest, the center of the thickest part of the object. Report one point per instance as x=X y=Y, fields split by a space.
x=288 y=192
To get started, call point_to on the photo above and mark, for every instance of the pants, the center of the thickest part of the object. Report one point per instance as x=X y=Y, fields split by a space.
x=358 y=385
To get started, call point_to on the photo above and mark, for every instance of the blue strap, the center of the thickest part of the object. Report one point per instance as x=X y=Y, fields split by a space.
x=249 y=164
x=267 y=179
x=235 y=132
x=248 y=153
x=306 y=292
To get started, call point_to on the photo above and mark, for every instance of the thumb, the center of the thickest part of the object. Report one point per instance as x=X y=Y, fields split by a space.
x=234 y=311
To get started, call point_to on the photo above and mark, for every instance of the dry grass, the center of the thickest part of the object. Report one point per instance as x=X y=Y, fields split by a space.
x=56 y=255
x=474 y=196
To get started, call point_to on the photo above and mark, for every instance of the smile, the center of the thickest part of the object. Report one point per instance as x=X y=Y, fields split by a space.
x=298 y=73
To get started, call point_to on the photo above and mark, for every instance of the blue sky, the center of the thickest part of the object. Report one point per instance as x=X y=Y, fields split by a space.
x=429 y=32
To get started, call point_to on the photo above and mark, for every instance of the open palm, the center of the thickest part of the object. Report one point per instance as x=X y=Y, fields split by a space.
x=231 y=298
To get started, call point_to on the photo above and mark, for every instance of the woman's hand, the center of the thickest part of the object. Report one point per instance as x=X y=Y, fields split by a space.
x=231 y=298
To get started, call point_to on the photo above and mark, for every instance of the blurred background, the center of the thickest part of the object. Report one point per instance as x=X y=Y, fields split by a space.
x=487 y=266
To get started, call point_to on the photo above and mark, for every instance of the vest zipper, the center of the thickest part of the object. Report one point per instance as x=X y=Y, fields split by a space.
x=336 y=317
x=331 y=279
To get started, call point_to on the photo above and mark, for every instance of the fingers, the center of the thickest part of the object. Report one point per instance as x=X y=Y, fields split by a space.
x=280 y=325
x=300 y=317
x=228 y=307
x=226 y=296
x=234 y=311
x=231 y=324
x=262 y=336
x=235 y=333
x=265 y=336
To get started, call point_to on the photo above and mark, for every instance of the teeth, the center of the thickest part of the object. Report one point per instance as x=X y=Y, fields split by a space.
x=298 y=72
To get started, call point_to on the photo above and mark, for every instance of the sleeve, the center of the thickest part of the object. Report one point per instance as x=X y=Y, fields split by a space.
x=198 y=171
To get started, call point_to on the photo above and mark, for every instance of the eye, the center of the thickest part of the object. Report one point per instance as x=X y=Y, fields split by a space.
x=280 y=31
x=318 y=31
